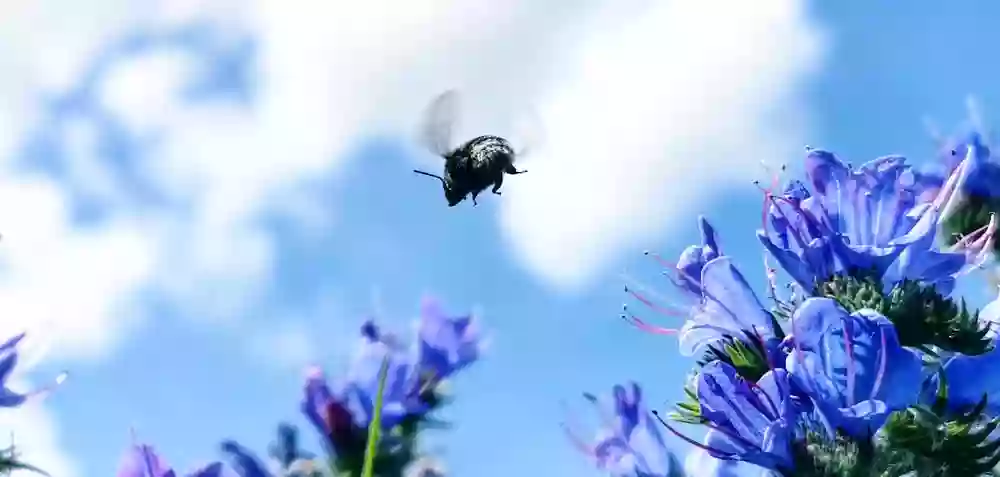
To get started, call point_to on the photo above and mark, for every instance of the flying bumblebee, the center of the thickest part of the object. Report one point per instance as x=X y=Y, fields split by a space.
x=472 y=167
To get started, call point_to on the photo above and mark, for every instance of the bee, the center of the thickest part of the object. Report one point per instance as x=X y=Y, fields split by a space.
x=472 y=167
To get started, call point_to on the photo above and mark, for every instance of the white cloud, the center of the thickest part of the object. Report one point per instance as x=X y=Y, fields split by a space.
x=331 y=71
x=658 y=114
x=288 y=346
x=71 y=286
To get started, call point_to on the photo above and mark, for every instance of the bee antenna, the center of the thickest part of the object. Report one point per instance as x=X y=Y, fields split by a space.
x=430 y=175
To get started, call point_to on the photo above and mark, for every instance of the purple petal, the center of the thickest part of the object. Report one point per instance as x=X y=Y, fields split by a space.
x=211 y=470
x=317 y=396
x=244 y=462
x=143 y=461
x=729 y=308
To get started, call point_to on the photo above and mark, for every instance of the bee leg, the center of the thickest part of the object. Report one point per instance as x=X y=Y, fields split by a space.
x=513 y=171
x=474 y=203
x=497 y=184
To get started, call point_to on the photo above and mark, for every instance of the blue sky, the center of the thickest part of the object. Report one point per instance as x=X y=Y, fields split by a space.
x=200 y=202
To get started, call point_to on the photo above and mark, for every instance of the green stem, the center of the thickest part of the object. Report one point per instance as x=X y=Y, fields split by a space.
x=375 y=427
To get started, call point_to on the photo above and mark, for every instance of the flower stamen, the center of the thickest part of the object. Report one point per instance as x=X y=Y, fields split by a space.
x=715 y=452
x=642 y=325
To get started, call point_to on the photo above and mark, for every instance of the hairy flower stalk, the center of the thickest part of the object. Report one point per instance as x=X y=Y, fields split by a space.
x=867 y=365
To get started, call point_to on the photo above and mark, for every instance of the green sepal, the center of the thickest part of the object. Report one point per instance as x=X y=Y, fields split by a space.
x=930 y=443
x=748 y=355
x=689 y=410
x=923 y=318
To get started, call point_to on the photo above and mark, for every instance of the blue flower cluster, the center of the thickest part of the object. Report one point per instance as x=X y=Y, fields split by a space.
x=342 y=412
x=866 y=365
x=630 y=442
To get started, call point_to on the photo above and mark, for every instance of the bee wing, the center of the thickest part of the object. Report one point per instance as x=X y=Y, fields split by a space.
x=529 y=133
x=439 y=121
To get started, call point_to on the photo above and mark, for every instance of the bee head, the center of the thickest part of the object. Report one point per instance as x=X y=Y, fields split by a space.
x=453 y=196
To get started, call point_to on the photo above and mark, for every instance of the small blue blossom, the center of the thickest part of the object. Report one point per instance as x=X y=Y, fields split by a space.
x=725 y=305
x=401 y=397
x=983 y=176
x=749 y=422
x=8 y=361
x=243 y=461
x=970 y=379
x=694 y=258
x=851 y=365
x=338 y=412
x=328 y=410
x=630 y=443
x=446 y=344
x=729 y=307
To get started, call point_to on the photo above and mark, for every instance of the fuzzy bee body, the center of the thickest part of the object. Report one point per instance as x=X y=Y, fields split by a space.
x=472 y=167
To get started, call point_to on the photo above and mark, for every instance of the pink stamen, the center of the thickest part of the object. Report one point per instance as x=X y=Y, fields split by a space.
x=768 y=194
x=657 y=308
x=988 y=231
x=714 y=427
x=972 y=237
x=636 y=322
x=576 y=441
x=881 y=366
x=764 y=206
x=671 y=265
x=662 y=261
x=715 y=452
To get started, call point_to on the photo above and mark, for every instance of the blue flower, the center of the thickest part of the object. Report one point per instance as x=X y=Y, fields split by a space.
x=728 y=308
x=328 y=411
x=8 y=360
x=749 y=422
x=694 y=258
x=983 y=176
x=725 y=307
x=970 y=379
x=244 y=462
x=851 y=365
x=630 y=443
x=141 y=460
x=402 y=394
x=869 y=220
x=446 y=344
